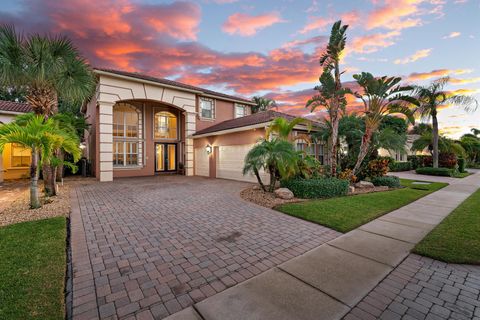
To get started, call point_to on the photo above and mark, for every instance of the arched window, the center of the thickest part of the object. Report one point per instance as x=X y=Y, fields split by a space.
x=126 y=135
x=165 y=125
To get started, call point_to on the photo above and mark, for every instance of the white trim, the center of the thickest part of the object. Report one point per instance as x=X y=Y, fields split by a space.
x=12 y=112
x=228 y=99
x=239 y=129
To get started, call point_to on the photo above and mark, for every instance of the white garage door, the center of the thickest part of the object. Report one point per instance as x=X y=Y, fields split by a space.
x=201 y=162
x=230 y=162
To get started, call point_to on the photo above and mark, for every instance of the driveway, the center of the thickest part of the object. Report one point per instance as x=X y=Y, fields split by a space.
x=163 y=243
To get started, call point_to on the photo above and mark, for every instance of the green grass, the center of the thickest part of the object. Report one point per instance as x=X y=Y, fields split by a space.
x=347 y=213
x=32 y=269
x=457 y=238
x=461 y=174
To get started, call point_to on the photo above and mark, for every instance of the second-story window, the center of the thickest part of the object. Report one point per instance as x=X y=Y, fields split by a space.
x=240 y=110
x=207 y=108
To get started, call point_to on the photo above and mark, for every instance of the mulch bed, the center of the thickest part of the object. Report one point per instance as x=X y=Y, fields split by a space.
x=19 y=209
x=264 y=199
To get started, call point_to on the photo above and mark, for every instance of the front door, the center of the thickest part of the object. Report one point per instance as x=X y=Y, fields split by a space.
x=165 y=157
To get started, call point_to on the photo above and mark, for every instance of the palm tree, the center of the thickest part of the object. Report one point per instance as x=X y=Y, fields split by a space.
x=425 y=142
x=262 y=104
x=42 y=136
x=282 y=129
x=380 y=97
x=331 y=95
x=431 y=98
x=277 y=157
x=475 y=131
x=49 y=68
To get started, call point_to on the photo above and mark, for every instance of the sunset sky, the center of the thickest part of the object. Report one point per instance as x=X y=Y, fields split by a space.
x=270 y=48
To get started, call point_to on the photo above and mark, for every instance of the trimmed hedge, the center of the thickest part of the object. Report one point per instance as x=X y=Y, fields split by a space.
x=317 y=188
x=399 y=166
x=461 y=165
x=445 y=172
x=389 y=181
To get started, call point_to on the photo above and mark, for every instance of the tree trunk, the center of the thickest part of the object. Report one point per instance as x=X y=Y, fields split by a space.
x=255 y=170
x=333 y=156
x=273 y=179
x=435 y=139
x=49 y=173
x=34 y=198
x=366 y=140
x=59 y=169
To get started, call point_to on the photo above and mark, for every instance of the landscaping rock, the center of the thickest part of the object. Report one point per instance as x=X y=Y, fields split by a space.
x=364 y=185
x=381 y=188
x=284 y=193
x=256 y=187
x=351 y=189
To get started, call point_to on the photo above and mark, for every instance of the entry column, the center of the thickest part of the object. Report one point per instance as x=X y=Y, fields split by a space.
x=105 y=141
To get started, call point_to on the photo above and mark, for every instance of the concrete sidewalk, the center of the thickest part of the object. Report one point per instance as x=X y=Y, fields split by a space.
x=328 y=281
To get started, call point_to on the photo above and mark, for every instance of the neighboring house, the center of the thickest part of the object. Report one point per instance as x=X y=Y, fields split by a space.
x=398 y=155
x=142 y=126
x=15 y=160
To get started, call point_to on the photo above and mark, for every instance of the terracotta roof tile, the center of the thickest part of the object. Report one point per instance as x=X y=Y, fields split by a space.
x=173 y=83
x=14 y=107
x=253 y=119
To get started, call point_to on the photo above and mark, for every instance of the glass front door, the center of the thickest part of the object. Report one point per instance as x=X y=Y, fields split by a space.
x=165 y=157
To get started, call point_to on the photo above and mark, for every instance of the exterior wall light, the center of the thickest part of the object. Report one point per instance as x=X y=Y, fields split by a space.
x=209 y=149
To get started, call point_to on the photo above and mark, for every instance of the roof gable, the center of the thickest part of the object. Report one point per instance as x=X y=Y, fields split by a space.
x=17 y=107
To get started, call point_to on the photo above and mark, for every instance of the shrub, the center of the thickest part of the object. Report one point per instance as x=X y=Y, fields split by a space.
x=418 y=161
x=461 y=165
x=348 y=175
x=399 y=166
x=377 y=168
x=389 y=181
x=446 y=172
x=317 y=188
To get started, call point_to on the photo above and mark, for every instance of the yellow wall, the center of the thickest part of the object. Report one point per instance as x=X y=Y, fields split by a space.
x=11 y=172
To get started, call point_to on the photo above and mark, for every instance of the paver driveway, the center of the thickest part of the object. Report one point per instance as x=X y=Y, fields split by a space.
x=163 y=243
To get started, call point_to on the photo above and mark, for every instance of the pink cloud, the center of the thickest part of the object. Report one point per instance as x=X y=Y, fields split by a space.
x=395 y=15
x=419 y=76
x=373 y=42
x=420 y=54
x=248 y=25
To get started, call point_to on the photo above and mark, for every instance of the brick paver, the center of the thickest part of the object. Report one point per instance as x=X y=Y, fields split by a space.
x=145 y=248
x=423 y=288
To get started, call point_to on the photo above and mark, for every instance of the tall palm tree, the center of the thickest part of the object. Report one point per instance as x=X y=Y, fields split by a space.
x=277 y=157
x=380 y=97
x=49 y=68
x=431 y=98
x=42 y=136
x=283 y=128
x=262 y=104
x=425 y=142
x=331 y=95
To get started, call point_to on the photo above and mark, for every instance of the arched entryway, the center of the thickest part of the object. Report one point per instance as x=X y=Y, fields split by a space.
x=148 y=138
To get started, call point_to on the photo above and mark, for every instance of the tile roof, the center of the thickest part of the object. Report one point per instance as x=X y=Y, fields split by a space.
x=253 y=119
x=10 y=106
x=174 y=83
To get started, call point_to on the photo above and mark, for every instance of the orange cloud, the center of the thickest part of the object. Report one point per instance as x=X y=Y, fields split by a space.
x=319 y=23
x=395 y=15
x=464 y=81
x=452 y=35
x=371 y=43
x=436 y=74
x=420 y=54
x=248 y=25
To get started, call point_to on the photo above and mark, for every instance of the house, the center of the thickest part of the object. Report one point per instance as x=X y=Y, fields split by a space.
x=143 y=126
x=15 y=160
x=401 y=156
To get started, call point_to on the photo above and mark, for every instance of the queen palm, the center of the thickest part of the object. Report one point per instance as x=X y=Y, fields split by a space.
x=277 y=157
x=48 y=68
x=283 y=128
x=331 y=95
x=432 y=98
x=42 y=136
x=262 y=104
x=380 y=97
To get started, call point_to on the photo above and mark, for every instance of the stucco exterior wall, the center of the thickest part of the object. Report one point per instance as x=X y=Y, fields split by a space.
x=8 y=172
x=224 y=110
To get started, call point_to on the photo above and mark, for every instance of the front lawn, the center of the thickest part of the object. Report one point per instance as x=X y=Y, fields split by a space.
x=457 y=238
x=32 y=269
x=347 y=213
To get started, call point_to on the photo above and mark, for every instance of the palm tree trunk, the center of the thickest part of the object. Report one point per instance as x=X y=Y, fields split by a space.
x=333 y=156
x=49 y=173
x=59 y=169
x=255 y=171
x=435 y=139
x=34 y=198
x=273 y=179
x=364 y=147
